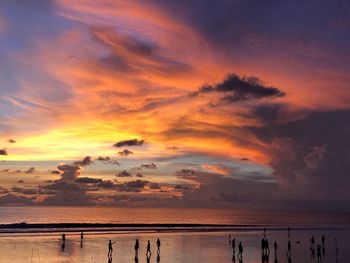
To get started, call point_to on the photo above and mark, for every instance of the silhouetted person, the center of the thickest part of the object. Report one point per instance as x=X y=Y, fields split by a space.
x=81 y=239
x=267 y=247
x=312 y=247
x=63 y=242
x=275 y=246
x=289 y=249
x=319 y=256
x=233 y=245
x=148 y=249
x=323 y=239
x=158 y=246
x=240 y=251
x=137 y=245
x=110 y=248
x=336 y=248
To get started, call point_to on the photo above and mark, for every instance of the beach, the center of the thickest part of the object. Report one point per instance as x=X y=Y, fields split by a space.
x=186 y=235
x=179 y=247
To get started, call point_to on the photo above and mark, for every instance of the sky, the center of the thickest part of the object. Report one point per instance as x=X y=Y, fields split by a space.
x=226 y=103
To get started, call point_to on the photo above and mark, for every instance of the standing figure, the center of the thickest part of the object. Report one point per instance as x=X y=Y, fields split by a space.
x=233 y=244
x=110 y=248
x=275 y=246
x=158 y=246
x=148 y=249
x=81 y=239
x=319 y=256
x=137 y=245
x=323 y=239
x=240 y=251
x=63 y=242
x=289 y=249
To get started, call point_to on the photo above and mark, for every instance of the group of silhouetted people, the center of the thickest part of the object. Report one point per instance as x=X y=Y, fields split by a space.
x=110 y=247
x=265 y=249
x=320 y=249
x=315 y=251
x=232 y=243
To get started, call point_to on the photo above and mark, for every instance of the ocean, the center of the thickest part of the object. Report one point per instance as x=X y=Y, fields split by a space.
x=187 y=244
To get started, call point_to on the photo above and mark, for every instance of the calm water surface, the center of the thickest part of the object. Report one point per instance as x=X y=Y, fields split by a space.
x=168 y=215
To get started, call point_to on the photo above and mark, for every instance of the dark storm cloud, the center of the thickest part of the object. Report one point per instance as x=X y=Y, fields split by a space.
x=311 y=156
x=10 y=199
x=155 y=186
x=186 y=172
x=181 y=187
x=256 y=25
x=85 y=162
x=228 y=190
x=125 y=152
x=69 y=172
x=4 y=190
x=152 y=166
x=107 y=160
x=237 y=88
x=3 y=152
x=88 y=180
x=25 y=191
x=133 y=142
x=131 y=186
x=30 y=170
x=124 y=173
x=106 y=184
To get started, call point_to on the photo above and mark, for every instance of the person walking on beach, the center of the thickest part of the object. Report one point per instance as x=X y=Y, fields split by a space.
x=63 y=237
x=148 y=249
x=289 y=249
x=336 y=249
x=110 y=248
x=81 y=239
x=275 y=246
x=137 y=245
x=240 y=250
x=319 y=256
x=323 y=239
x=158 y=246
x=233 y=244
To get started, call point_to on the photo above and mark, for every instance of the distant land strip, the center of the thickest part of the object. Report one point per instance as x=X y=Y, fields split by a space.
x=112 y=227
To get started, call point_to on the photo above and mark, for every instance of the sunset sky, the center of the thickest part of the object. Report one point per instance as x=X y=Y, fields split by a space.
x=227 y=103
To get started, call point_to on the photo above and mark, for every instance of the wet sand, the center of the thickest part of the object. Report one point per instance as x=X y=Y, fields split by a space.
x=176 y=247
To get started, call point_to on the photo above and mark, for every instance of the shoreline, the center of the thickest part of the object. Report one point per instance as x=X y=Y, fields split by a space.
x=27 y=228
